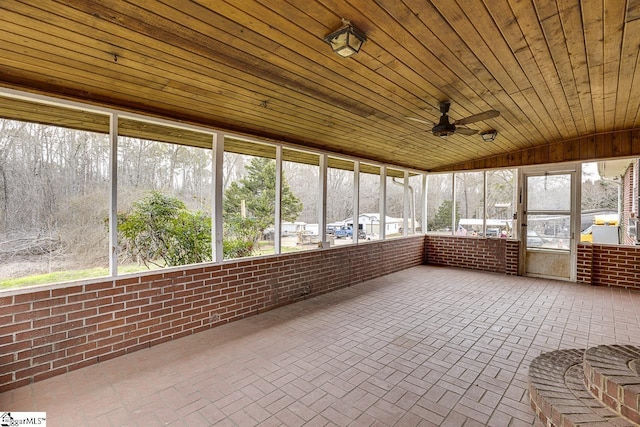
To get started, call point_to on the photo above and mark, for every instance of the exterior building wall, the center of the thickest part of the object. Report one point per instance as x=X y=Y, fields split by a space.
x=47 y=331
x=629 y=203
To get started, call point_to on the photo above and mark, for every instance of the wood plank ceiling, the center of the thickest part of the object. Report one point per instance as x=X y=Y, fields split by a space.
x=556 y=70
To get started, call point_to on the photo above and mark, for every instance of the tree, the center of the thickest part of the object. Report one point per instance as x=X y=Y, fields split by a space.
x=258 y=191
x=600 y=194
x=160 y=230
x=442 y=218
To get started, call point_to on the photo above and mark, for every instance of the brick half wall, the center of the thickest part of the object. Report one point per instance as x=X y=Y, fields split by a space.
x=477 y=253
x=47 y=331
x=609 y=265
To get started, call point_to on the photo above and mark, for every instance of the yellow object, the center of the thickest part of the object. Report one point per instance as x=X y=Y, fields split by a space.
x=598 y=221
x=611 y=219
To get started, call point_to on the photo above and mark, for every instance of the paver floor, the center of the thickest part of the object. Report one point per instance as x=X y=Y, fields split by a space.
x=425 y=346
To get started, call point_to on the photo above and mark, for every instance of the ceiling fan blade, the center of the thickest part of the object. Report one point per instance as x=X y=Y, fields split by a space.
x=466 y=131
x=478 y=117
x=427 y=122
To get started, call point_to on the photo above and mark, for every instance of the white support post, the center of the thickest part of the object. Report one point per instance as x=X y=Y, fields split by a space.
x=113 y=195
x=278 y=207
x=484 y=205
x=453 y=203
x=216 y=199
x=423 y=205
x=322 y=191
x=407 y=206
x=356 y=201
x=383 y=202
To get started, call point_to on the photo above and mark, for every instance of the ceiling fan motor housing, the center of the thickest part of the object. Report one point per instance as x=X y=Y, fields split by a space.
x=443 y=128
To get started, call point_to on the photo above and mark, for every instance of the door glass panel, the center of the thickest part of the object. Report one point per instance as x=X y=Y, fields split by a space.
x=548 y=231
x=549 y=193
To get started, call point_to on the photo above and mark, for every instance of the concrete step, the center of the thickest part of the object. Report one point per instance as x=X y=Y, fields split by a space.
x=611 y=374
x=559 y=396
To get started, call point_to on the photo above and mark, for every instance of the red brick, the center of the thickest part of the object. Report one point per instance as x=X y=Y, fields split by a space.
x=77 y=362
x=49 y=374
x=49 y=339
x=16 y=308
x=14 y=384
x=31 y=314
x=31 y=296
x=81 y=297
x=8 y=358
x=33 y=333
x=123 y=298
x=82 y=314
x=97 y=302
x=49 y=321
x=81 y=348
x=49 y=357
x=112 y=355
x=68 y=290
x=82 y=331
x=51 y=302
x=63 y=327
x=98 y=286
x=70 y=343
x=66 y=308
x=98 y=319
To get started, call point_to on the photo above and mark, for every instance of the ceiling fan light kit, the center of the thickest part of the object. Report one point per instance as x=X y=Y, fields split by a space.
x=489 y=136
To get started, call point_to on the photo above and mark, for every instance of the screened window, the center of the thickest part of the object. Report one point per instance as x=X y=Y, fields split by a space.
x=469 y=198
x=440 y=204
x=370 y=201
x=249 y=202
x=55 y=196
x=54 y=200
x=416 y=202
x=340 y=221
x=164 y=197
x=394 y=221
x=610 y=202
x=300 y=201
x=501 y=203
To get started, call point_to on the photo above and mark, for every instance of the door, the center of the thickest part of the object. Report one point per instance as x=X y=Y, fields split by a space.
x=548 y=225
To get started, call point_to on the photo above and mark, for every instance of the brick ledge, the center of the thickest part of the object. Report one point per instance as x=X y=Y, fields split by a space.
x=558 y=395
x=610 y=373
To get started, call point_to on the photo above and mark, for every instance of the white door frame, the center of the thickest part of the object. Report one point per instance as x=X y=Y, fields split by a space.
x=575 y=211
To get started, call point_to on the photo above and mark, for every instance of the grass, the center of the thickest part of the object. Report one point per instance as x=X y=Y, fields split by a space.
x=65 y=276
x=91 y=273
x=57 y=276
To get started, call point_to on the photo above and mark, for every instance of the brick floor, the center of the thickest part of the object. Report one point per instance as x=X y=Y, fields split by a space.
x=425 y=346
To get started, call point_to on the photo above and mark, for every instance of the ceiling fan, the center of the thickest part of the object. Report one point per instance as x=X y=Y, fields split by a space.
x=445 y=127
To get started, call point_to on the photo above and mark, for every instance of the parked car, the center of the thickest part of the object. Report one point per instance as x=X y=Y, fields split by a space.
x=533 y=240
x=347 y=232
